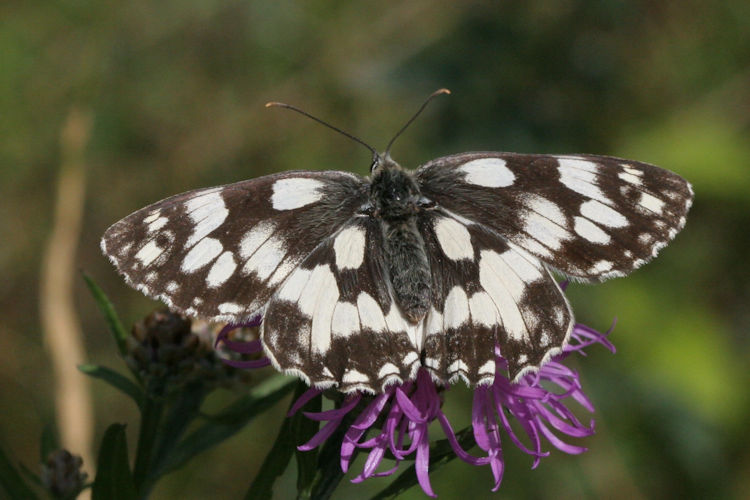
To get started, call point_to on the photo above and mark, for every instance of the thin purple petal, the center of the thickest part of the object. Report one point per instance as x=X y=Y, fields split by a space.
x=422 y=464
x=303 y=400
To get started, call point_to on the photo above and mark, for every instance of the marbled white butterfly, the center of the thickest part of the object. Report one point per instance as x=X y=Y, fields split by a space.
x=360 y=281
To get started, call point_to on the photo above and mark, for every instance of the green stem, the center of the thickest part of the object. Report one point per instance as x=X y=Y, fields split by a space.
x=278 y=458
x=180 y=416
x=150 y=420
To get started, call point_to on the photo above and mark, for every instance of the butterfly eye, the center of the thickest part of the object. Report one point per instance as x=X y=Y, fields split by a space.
x=426 y=204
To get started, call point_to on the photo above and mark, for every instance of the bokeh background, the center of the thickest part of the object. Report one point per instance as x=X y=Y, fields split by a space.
x=128 y=102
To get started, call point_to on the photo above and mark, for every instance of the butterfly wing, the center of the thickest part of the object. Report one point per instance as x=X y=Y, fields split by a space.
x=487 y=292
x=334 y=322
x=590 y=217
x=220 y=253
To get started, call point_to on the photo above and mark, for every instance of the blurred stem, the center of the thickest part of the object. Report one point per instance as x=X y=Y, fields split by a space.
x=151 y=414
x=280 y=454
x=62 y=331
x=181 y=415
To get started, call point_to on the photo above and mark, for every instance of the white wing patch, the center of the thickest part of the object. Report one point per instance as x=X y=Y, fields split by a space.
x=370 y=313
x=454 y=239
x=345 y=320
x=149 y=253
x=506 y=286
x=254 y=238
x=202 y=254
x=590 y=231
x=208 y=211
x=544 y=222
x=221 y=270
x=581 y=176
x=598 y=212
x=295 y=192
x=456 y=310
x=488 y=172
x=651 y=203
x=349 y=247
x=266 y=258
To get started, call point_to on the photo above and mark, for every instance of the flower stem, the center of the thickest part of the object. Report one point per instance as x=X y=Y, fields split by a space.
x=150 y=419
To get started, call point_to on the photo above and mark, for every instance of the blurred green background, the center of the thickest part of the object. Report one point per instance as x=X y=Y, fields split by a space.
x=163 y=97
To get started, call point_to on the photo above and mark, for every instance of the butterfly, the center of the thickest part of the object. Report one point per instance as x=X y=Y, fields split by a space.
x=361 y=281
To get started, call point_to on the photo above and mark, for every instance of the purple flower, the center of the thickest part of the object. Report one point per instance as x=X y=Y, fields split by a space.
x=397 y=420
x=241 y=347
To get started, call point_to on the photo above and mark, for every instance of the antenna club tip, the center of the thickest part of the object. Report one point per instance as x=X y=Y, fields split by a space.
x=272 y=104
x=442 y=91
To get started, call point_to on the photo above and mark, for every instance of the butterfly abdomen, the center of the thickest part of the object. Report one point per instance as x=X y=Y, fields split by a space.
x=408 y=267
x=395 y=196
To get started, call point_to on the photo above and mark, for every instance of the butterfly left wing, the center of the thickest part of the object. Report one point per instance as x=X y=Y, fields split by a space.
x=487 y=292
x=590 y=217
x=333 y=322
x=220 y=253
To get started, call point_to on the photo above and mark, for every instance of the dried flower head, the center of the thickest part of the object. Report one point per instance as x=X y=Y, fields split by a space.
x=62 y=474
x=167 y=352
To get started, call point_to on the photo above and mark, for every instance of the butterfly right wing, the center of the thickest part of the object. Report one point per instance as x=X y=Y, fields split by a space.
x=487 y=292
x=590 y=217
x=220 y=253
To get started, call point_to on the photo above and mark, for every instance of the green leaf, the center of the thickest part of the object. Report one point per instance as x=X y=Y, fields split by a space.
x=11 y=481
x=116 y=380
x=278 y=458
x=151 y=418
x=303 y=429
x=181 y=414
x=113 y=478
x=441 y=453
x=48 y=442
x=229 y=421
x=115 y=326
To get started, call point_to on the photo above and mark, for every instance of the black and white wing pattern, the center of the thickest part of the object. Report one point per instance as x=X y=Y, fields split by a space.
x=220 y=253
x=590 y=217
x=334 y=322
x=487 y=292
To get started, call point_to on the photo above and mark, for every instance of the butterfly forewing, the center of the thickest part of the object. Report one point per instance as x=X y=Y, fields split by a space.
x=488 y=292
x=219 y=253
x=334 y=322
x=590 y=217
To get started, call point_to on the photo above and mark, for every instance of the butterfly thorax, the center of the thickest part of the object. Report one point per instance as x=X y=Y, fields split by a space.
x=397 y=202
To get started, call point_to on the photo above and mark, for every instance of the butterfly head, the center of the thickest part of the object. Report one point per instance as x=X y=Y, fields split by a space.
x=393 y=191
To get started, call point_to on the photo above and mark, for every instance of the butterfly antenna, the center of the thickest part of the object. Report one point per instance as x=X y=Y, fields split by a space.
x=414 y=117
x=305 y=113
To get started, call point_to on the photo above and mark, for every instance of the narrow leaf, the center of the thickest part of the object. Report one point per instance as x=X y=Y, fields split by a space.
x=113 y=321
x=181 y=414
x=278 y=458
x=303 y=429
x=113 y=479
x=151 y=418
x=116 y=380
x=229 y=421
x=11 y=481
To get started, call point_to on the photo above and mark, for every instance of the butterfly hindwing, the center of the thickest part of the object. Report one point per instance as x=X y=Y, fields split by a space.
x=590 y=217
x=219 y=253
x=488 y=292
x=334 y=321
